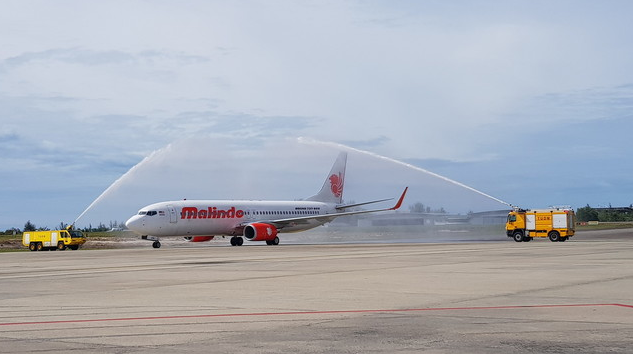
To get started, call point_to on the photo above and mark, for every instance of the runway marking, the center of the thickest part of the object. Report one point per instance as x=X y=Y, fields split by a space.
x=312 y=313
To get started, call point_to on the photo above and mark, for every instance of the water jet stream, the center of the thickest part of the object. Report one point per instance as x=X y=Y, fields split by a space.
x=118 y=181
x=311 y=141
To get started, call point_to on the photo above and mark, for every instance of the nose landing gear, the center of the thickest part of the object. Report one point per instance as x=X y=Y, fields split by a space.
x=156 y=240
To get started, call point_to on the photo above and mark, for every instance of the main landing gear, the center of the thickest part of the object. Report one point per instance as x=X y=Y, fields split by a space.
x=156 y=240
x=237 y=241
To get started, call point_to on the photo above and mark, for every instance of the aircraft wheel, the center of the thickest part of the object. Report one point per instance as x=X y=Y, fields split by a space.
x=517 y=236
x=554 y=236
x=275 y=241
x=156 y=244
x=239 y=241
x=233 y=241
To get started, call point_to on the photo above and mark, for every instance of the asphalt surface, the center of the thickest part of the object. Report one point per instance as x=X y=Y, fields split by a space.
x=474 y=297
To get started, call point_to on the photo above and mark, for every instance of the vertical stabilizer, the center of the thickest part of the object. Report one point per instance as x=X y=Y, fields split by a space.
x=332 y=190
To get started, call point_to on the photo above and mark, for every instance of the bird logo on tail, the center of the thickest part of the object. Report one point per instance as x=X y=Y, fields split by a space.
x=336 y=184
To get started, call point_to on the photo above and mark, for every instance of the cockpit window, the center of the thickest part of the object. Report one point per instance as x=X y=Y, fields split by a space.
x=148 y=213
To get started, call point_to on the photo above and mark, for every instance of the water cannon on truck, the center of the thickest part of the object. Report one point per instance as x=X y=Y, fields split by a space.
x=556 y=223
x=53 y=239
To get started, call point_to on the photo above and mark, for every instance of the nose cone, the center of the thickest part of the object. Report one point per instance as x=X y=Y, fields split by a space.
x=135 y=223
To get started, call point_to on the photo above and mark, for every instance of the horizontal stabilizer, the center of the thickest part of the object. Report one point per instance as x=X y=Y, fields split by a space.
x=341 y=207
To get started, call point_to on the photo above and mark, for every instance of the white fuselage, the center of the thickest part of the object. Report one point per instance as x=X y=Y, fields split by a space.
x=223 y=217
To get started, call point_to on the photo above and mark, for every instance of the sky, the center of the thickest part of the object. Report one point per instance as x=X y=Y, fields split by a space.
x=527 y=101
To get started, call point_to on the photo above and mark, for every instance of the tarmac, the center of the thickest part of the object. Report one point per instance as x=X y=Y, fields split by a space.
x=470 y=297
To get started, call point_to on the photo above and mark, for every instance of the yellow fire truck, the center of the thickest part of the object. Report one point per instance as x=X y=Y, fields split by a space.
x=55 y=239
x=559 y=224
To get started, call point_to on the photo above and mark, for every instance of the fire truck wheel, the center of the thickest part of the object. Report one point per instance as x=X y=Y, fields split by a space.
x=563 y=239
x=61 y=246
x=33 y=246
x=517 y=236
x=554 y=236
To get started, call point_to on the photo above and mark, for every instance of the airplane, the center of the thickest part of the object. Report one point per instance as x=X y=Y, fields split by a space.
x=202 y=220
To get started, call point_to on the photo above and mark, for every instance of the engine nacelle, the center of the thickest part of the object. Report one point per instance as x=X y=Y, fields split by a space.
x=198 y=238
x=258 y=231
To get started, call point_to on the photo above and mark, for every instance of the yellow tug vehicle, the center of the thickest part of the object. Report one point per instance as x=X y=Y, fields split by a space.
x=53 y=239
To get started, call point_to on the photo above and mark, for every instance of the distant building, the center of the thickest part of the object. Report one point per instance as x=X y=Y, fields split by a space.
x=495 y=217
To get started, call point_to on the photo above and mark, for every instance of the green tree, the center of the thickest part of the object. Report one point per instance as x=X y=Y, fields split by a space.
x=417 y=208
x=587 y=213
x=29 y=226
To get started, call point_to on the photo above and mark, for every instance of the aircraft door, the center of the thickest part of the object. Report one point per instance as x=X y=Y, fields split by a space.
x=173 y=216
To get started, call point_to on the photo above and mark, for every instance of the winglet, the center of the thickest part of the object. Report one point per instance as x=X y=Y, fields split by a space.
x=397 y=206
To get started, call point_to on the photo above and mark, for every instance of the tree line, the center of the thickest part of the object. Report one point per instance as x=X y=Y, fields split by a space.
x=29 y=226
x=609 y=214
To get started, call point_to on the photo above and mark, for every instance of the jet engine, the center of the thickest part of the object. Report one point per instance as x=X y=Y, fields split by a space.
x=258 y=231
x=198 y=238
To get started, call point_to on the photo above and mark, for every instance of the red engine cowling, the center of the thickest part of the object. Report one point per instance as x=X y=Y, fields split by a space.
x=198 y=238
x=258 y=231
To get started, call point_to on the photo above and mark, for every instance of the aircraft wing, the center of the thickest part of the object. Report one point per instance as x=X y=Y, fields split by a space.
x=281 y=223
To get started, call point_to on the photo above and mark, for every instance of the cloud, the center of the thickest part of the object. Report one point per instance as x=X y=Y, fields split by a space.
x=89 y=57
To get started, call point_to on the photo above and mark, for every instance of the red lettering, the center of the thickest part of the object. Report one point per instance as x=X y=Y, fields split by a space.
x=189 y=212
x=211 y=213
